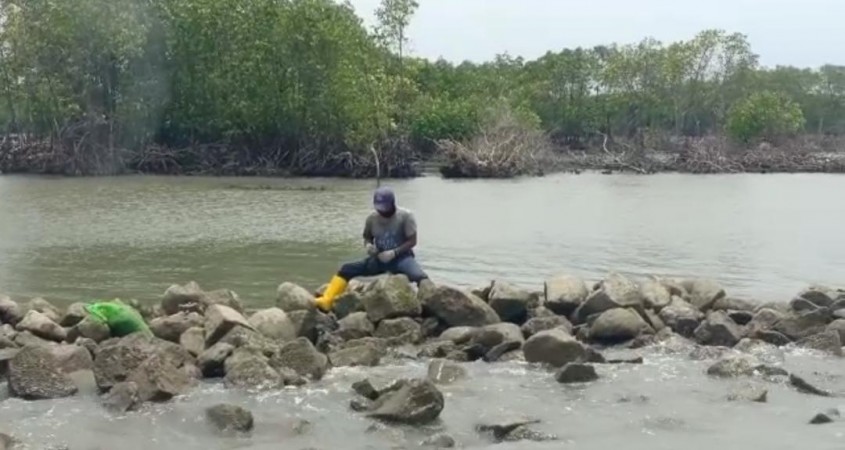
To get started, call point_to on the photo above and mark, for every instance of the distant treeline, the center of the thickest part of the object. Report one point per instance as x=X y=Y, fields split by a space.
x=302 y=86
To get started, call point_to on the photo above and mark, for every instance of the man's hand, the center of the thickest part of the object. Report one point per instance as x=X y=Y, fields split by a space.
x=371 y=249
x=387 y=256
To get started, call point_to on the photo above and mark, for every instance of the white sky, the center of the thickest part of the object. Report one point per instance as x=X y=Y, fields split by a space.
x=795 y=32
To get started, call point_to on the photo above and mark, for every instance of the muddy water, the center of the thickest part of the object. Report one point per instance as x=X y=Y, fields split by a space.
x=763 y=237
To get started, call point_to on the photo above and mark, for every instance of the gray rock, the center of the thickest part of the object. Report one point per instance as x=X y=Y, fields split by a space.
x=72 y=358
x=819 y=296
x=655 y=295
x=564 y=293
x=772 y=337
x=413 y=402
x=762 y=350
x=440 y=440
x=554 y=347
x=211 y=361
x=275 y=324
x=703 y=293
x=89 y=328
x=734 y=304
x=6 y=355
x=700 y=353
x=718 y=329
x=193 y=340
x=403 y=330
x=366 y=355
x=616 y=291
x=749 y=393
x=805 y=387
x=355 y=325
x=826 y=341
x=219 y=320
x=804 y=324
x=44 y=307
x=224 y=297
x=365 y=389
x=251 y=371
x=492 y=335
x=34 y=374
x=123 y=397
x=10 y=311
x=436 y=349
x=681 y=317
x=653 y=320
x=802 y=305
x=292 y=297
x=347 y=303
x=764 y=319
x=457 y=308
x=390 y=297
x=7 y=442
x=183 y=298
x=41 y=326
x=538 y=324
x=117 y=358
x=576 y=373
x=617 y=325
x=159 y=379
x=510 y=302
x=733 y=366
x=459 y=335
x=483 y=291
x=25 y=338
x=441 y=371
x=305 y=321
x=74 y=314
x=838 y=326
x=301 y=356
x=225 y=417
x=740 y=317
x=171 y=327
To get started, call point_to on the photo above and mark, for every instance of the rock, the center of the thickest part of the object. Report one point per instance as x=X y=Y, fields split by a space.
x=25 y=338
x=436 y=349
x=301 y=356
x=538 y=324
x=838 y=326
x=513 y=431
x=10 y=311
x=457 y=308
x=441 y=371
x=390 y=297
x=211 y=361
x=44 y=307
x=700 y=353
x=74 y=314
x=483 y=291
x=117 y=358
x=224 y=297
x=6 y=355
x=499 y=351
x=193 y=340
x=576 y=373
x=366 y=355
x=564 y=293
x=510 y=302
x=242 y=337
x=359 y=404
x=733 y=366
x=616 y=291
x=170 y=328
x=305 y=321
x=72 y=358
x=653 y=320
x=554 y=347
x=226 y=417
x=348 y=303
x=414 y=402
x=251 y=371
x=7 y=442
x=365 y=389
x=819 y=296
x=805 y=387
x=772 y=337
x=764 y=319
x=805 y=324
x=617 y=325
x=734 y=304
x=681 y=317
x=183 y=298
x=459 y=335
x=41 y=326
x=34 y=374
x=718 y=329
x=828 y=416
x=826 y=341
x=703 y=293
x=89 y=328
x=771 y=372
x=763 y=351
x=274 y=324
x=802 y=305
x=292 y=297
x=122 y=397
x=655 y=295
x=749 y=393
x=219 y=320
x=740 y=317
x=492 y=335
x=403 y=330
x=440 y=440
x=627 y=360
x=159 y=379
x=355 y=325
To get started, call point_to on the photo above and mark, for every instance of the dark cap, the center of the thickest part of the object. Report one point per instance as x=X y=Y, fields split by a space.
x=384 y=200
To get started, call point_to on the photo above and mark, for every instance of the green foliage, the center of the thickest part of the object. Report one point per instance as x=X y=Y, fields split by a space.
x=764 y=115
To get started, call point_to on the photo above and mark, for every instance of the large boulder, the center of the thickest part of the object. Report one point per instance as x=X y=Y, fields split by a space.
x=116 y=358
x=618 y=325
x=44 y=307
x=170 y=328
x=681 y=317
x=538 y=324
x=703 y=293
x=718 y=329
x=193 y=340
x=293 y=297
x=35 y=374
x=355 y=326
x=219 y=320
x=275 y=324
x=227 y=418
x=412 y=402
x=159 y=379
x=655 y=295
x=249 y=370
x=403 y=330
x=73 y=315
x=40 y=325
x=820 y=296
x=616 y=291
x=458 y=335
x=72 y=358
x=89 y=328
x=510 y=302
x=347 y=303
x=239 y=337
x=457 y=308
x=390 y=297
x=490 y=336
x=183 y=298
x=826 y=341
x=564 y=293
x=10 y=311
x=764 y=319
x=553 y=347
x=301 y=356
x=800 y=325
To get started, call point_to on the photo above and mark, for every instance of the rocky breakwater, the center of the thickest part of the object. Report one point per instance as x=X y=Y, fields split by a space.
x=567 y=329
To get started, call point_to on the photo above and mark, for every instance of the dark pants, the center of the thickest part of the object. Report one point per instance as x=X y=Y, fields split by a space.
x=372 y=266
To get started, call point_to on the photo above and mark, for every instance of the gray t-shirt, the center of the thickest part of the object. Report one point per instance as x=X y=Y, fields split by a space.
x=387 y=233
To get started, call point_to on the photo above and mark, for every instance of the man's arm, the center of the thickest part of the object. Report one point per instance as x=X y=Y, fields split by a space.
x=410 y=230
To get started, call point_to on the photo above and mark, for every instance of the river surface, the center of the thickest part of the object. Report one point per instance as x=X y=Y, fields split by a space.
x=764 y=237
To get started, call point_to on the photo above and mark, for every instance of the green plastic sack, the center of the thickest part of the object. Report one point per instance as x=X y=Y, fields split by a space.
x=121 y=319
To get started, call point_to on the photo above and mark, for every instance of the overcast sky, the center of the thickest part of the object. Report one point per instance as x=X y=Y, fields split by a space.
x=795 y=32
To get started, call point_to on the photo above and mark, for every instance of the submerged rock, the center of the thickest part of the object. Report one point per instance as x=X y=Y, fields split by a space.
x=762 y=350
x=413 y=402
x=251 y=371
x=441 y=371
x=440 y=440
x=749 y=393
x=554 y=347
x=225 y=417
x=513 y=431
x=34 y=374
x=564 y=293
x=576 y=373
x=159 y=379
x=828 y=416
x=390 y=297
x=805 y=387
x=457 y=308
x=123 y=397
x=733 y=366
x=819 y=296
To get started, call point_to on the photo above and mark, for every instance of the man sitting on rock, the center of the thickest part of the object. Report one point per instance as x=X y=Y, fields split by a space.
x=390 y=234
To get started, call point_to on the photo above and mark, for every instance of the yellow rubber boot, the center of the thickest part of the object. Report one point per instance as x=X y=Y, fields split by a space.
x=336 y=287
